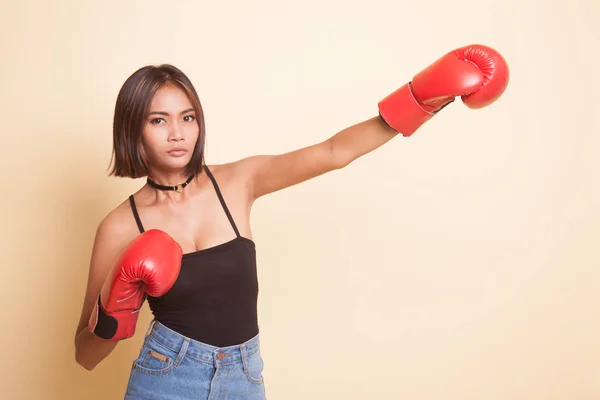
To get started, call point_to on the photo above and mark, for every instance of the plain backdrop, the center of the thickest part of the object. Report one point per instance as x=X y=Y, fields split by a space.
x=461 y=263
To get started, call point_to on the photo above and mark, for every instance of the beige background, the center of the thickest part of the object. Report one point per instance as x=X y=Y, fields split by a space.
x=461 y=263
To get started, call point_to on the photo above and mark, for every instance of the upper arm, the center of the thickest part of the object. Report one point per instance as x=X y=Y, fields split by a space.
x=111 y=237
x=270 y=173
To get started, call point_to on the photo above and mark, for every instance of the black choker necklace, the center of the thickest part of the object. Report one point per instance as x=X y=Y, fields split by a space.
x=177 y=188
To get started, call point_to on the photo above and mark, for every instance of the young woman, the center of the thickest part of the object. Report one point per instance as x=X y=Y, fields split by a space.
x=183 y=241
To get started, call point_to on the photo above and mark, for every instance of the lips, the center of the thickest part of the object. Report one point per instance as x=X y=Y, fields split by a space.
x=177 y=151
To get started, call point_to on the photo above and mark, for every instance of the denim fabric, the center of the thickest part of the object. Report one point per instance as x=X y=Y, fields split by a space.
x=174 y=367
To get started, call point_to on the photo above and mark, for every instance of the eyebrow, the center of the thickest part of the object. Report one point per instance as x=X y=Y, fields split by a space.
x=166 y=113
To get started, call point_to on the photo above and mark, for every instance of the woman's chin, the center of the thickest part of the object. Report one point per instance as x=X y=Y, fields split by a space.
x=174 y=164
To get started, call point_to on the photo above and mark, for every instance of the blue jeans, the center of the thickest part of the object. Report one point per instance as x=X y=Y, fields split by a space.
x=172 y=366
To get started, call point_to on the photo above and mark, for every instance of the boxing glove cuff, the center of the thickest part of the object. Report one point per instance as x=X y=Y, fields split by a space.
x=102 y=324
x=401 y=111
x=115 y=326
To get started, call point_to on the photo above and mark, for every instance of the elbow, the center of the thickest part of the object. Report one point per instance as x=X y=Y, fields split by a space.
x=82 y=354
x=87 y=367
x=84 y=361
x=342 y=160
x=338 y=156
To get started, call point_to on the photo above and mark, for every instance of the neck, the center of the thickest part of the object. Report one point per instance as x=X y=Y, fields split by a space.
x=168 y=178
x=167 y=182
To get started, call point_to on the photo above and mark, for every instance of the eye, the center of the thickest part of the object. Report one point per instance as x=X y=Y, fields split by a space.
x=156 y=121
x=191 y=118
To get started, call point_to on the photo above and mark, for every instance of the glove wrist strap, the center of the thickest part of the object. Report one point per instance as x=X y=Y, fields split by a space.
x=401 y=111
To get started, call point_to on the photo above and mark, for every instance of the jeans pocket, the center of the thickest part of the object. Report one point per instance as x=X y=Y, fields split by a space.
x=155 y=359
x=254 y=367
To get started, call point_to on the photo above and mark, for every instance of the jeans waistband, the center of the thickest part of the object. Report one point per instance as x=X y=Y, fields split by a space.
x=185 y=346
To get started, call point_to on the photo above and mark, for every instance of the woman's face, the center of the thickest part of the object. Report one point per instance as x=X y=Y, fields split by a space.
x=170 y=130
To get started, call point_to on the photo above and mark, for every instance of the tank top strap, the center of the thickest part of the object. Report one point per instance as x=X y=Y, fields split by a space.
x=135 y=214
x=222 y=200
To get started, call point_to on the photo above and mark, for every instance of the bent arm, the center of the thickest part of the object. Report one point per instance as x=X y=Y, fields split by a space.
x=110 y=238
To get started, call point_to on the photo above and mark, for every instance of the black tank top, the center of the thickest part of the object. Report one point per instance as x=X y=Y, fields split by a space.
x=214 y=299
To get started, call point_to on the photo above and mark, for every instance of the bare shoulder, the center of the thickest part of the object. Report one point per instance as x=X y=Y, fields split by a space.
x=236 y=176
x=114 y=232
x=118 y=225
x=238 y=170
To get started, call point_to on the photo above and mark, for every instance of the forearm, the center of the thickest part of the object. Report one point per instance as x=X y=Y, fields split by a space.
x=90 y=350
x=360 y=139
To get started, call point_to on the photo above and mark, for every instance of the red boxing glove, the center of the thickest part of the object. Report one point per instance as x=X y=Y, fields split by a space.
x=477 y=73
x=148 y=266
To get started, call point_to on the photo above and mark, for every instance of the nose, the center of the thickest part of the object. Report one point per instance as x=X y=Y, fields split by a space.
x=175 y=133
